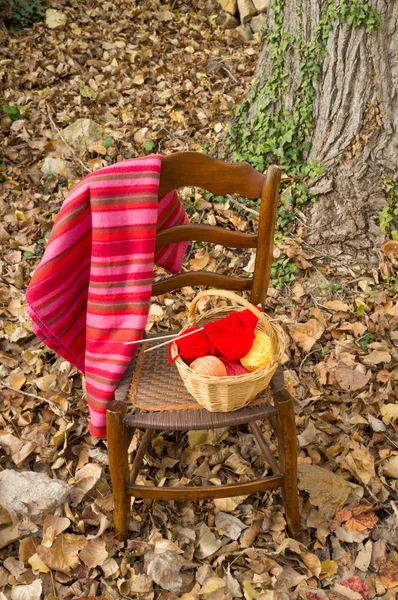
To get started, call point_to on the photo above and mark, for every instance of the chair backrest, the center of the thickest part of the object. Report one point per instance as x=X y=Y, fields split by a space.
x=194 y=169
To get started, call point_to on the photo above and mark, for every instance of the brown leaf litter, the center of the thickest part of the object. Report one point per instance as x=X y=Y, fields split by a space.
x=158 y=76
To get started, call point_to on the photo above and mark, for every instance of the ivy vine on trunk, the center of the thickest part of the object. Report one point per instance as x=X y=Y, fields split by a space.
x=324 y=104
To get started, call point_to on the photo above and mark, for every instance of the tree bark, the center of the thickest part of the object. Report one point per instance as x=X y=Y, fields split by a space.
x=355 y=132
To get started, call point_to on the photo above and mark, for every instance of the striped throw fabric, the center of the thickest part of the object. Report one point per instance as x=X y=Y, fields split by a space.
x=92 y=288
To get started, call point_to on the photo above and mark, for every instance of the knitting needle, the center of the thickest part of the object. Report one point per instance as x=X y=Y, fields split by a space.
x=179 y=337
x=186 y=335
x=162 y=337
x=154 y=339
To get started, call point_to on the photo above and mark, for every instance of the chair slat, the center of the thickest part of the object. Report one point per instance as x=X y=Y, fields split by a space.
x=206 y=233
x=189 y=420
x=205 y=492
x=193 y=169
x=201 y=278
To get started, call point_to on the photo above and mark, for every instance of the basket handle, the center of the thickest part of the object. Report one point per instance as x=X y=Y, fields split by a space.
x=223 y=294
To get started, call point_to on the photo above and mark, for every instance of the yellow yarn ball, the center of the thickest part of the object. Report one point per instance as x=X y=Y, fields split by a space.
x=259 y=354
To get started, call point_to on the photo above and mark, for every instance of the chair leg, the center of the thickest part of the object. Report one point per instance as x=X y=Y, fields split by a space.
x=287 y=443
x=264 y=448
x=118 y=443
x=139 y=456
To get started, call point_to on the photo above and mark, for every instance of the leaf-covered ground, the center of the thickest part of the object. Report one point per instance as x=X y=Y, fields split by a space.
x=162 y=77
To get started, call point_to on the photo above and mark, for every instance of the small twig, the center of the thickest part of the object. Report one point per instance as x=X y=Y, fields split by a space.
x=305 y=358
x=229 y=73
x=242 y=206
x=391 y=441
x=173 y=136
x=371 y=494
x=53 y=584
x=57 y=410
x=64 y=140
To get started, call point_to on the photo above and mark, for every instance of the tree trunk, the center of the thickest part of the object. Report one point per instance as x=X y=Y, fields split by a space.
x=347 y=110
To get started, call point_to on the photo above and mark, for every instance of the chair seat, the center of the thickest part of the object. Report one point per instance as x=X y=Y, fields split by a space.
x=162 y=401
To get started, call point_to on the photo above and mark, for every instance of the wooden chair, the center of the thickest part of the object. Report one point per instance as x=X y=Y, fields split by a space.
x=153 y=381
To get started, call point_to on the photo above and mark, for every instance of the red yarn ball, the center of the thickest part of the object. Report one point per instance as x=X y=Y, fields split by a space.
x=193 y=346
x=233 y=335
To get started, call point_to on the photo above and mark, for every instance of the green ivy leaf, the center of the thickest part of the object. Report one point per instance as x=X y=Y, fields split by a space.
x=148 y=146
x=14 y=112
x=107 y=143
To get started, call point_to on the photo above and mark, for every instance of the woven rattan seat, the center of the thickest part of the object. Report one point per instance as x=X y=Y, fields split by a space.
x=161 y=400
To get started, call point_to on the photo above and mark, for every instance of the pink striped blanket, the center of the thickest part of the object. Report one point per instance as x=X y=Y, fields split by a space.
x=92 y=289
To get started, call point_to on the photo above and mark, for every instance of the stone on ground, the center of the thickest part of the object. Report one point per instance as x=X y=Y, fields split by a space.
x=245 y=32
x=227 y=21
x=82 y=134
x=29 y=486
x=261 y=5
x=258 y=23
x=246 y=10
x=230 y=6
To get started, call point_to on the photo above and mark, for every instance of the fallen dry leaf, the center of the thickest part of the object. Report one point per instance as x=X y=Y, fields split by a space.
x=55 y=18
x=208 y=543
x=94 y=553
x=164 y=570
x=327 y=490
x=357 y=328
x=390 y=467
x=229 y=525
x=361 y=522
x=228 y=504
x=328 y=568
x=390 y=248
x=358 y=588
x=364 y=556
x=63 y=554
x=376 y=357
x=212 y=584
x=27 y=592
x=361 y=464
x=344 y=535
x=308 y=435
x=312 y=563
x=27 y=547
x=52 y=526
x=350 y=379
x=85 y=479
x=389 y=412
x=306 y=334
x=197 y=264
x=233 y=585
x=37 y=565
x=249 y=536
x=388 y=574
x=337 y=305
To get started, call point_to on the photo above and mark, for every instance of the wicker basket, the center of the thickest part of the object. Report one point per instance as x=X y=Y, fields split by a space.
x=224 y=394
